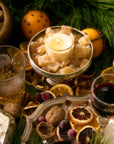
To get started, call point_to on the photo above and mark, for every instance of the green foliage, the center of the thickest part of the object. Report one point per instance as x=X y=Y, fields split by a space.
x=19 y=130
x=34 y=138
x=98 y=140
x=76 y=13
x=30 y=89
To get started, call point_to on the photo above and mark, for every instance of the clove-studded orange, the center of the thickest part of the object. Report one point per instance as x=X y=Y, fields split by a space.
x=33 y=22
x=97 y=40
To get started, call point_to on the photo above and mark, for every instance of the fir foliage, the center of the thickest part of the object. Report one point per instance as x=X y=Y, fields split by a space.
x=76 y=13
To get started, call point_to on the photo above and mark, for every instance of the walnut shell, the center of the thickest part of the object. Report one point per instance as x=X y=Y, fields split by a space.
x=55 y=115
x=45 y=130
x=13 y=109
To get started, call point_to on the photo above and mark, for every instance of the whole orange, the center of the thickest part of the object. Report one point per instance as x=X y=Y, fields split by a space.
x=97 y=40
x=33 y=22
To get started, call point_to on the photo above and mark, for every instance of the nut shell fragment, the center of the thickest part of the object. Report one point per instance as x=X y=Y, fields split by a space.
x=45 y=130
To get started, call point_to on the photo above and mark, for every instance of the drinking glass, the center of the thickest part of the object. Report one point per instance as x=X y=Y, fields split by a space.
x=102 y=97
x=12 y=74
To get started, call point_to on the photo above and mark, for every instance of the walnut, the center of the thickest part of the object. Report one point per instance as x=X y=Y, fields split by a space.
x=13 y=109
x=55 y=115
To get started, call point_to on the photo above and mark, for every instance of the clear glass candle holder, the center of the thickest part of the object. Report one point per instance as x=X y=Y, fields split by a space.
x=54 y=78
x=12 y=74
x=62 y=49
x=102 y=94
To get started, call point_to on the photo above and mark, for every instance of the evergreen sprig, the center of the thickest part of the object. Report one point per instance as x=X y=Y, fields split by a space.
x=19 y=130
x=79 y=14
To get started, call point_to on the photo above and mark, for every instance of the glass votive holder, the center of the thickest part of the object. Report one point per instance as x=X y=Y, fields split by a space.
x=12 y=74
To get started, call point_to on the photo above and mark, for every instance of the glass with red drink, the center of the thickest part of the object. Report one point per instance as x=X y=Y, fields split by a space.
x=102 y=97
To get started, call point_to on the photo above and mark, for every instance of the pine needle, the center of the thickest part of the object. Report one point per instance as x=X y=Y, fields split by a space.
x=19 y=130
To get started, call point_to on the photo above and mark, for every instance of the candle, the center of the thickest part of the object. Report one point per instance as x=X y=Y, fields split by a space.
x=59 y=46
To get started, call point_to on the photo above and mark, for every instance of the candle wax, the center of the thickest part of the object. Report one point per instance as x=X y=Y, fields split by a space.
x=59 y=47
x=59 y=42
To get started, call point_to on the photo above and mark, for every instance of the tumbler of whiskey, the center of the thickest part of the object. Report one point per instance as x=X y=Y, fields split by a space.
x=12 y=74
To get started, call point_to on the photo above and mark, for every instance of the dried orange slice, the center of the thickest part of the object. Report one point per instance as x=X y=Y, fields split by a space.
x=107 y=70
x=23 y=46
x=80 y=115
x=62 y=133
x=94 y=123
x=81 y=91
x=86 y=77
x=85 y=135
x=61 y=89
x=28 y=66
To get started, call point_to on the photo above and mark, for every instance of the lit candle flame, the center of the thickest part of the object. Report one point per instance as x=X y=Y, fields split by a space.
x=58 y=40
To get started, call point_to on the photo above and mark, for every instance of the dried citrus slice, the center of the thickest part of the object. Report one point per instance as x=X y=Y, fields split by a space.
x=60 y=89
x=81 y=91
x=94 y=123
x=86 y=77
x=80 y=115
x=28 y=66
x=85 y=135
x=62 y=133
x=107 y=70
x=30 y=108
x=23 y=46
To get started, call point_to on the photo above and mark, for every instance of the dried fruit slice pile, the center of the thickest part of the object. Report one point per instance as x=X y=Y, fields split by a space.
x=84 y=122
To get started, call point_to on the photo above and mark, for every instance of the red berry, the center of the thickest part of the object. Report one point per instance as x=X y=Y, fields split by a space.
x=71 y=133
x=45 y=96
x=63 y=124
x=69 y=82
x=41 y=119
x=38 y=97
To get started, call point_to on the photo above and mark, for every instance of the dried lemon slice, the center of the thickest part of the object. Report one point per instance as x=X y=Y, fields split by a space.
x=28 y=66
x=94 y=123
x=82 y=91
x=107 y=70
x=85 y=135
x=60 y=89
x=80 y=115
x=23 y=46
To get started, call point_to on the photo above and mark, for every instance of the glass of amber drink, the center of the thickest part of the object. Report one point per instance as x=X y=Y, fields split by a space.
x=12 y=74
